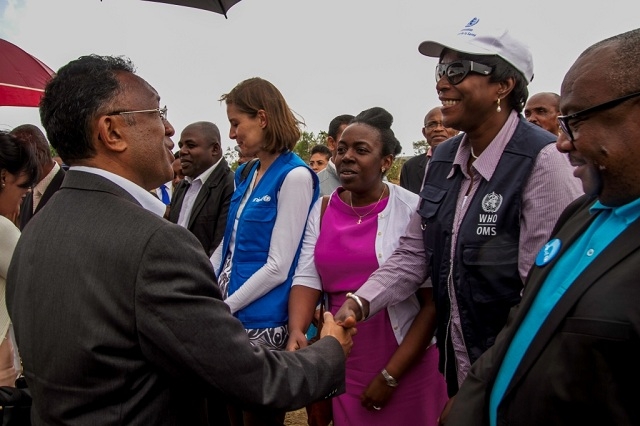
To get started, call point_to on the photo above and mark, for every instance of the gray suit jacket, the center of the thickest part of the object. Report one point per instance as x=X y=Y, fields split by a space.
x=209 y=214
x=122 y=324
x=582 y=366
x=329 y=180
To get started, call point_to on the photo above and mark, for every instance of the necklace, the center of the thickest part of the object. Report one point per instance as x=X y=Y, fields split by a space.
x=475 y=157
x=369 y=212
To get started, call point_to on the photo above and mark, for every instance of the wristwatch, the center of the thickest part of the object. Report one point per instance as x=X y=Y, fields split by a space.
x=391 y=382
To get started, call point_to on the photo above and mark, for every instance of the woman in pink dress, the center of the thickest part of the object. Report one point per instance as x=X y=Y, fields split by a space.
x=392 y=375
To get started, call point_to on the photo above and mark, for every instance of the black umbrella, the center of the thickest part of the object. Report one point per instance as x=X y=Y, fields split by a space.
x=218 y=6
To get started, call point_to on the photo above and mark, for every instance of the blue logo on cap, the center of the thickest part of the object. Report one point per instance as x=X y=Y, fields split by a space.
x=548 y=252
x=472 y=22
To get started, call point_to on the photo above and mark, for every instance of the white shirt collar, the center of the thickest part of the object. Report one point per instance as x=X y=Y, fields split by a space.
x=45 y=181
x=142 y=196
x=204 y=175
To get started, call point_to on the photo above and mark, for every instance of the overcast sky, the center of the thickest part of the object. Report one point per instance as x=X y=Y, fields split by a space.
x=327 y=57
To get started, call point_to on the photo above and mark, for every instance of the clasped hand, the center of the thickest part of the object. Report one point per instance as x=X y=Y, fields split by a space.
x=343 y=332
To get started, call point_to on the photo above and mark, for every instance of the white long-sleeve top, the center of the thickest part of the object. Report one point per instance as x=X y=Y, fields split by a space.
x=392 y=222
x=294 y=199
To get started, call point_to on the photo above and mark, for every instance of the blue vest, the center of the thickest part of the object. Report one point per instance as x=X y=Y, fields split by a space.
x=253 y=238
x=485 y=268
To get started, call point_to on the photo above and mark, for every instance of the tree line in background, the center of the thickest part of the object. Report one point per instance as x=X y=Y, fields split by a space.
x=309 y=139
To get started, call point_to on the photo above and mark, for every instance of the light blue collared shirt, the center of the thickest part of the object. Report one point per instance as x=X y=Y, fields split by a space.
x=610 y=223
x=142 y=196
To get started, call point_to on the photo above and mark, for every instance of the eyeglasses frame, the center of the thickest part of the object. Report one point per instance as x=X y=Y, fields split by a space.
x=162 y=111
x=563 y=120
x=432 y=125
x=468 y=66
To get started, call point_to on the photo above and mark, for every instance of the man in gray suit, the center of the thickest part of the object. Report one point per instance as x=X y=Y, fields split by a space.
x=329 y=179
x=122 y=323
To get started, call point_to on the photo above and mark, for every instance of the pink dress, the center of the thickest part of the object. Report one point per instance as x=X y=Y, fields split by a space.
x=345 y=257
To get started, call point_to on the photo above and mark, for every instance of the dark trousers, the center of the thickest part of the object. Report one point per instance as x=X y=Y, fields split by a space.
x=255 y=417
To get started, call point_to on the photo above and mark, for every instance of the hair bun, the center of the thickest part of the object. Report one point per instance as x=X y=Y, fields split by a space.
x=381 y=119
x=377 y=117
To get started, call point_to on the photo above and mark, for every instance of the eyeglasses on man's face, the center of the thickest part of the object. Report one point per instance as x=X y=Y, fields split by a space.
x=162 y=111
x=458 y=70
x=563 y=120
x=432 y=125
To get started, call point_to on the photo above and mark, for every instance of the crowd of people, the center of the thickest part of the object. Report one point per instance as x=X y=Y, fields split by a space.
x=493 y=285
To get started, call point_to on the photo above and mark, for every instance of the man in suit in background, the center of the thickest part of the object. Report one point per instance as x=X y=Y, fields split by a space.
x=165 y=191
x=413 y=170
x=329 y=179
x=201 y=200
x=543 y=109
x=569 y=352
x=123 y=323
x=50 y=173
x=177 y=171
x=241 y=157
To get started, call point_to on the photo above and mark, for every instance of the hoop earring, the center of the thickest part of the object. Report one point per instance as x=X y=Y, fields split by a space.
x=498 y=109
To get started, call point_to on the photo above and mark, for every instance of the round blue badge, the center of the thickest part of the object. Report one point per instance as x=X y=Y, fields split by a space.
x=548 y=252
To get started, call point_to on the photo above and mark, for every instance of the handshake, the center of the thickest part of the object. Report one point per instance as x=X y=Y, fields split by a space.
x=342 y=327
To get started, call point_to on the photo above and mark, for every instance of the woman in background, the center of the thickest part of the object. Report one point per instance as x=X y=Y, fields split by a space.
x=319 y=159
x=266 y=221
x=18 y=171
x=392 y=372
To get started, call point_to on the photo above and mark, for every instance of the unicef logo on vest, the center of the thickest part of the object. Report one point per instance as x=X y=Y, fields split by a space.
x=265 y=198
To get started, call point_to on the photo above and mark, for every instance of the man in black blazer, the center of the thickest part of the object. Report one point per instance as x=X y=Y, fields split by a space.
x=569 y=352
x=50 y=173
x=123 y=323
x=201 y=201
x=414 y=169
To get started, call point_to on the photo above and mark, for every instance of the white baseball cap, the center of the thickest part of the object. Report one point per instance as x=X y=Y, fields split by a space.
x=478 y=39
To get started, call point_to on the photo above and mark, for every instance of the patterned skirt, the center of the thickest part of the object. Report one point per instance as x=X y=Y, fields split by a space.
x=271 y=338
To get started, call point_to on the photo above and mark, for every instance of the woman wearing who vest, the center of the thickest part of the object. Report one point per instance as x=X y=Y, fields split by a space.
x=266 y=221
x=491 y=198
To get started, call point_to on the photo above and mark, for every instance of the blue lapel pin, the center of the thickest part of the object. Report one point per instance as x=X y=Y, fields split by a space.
x=548 y=252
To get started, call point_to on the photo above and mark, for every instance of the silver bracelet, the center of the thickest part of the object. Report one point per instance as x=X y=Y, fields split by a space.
x=359 y=302
x=391 y=381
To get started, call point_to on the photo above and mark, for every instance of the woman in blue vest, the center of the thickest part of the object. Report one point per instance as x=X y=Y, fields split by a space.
x=266 y=220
